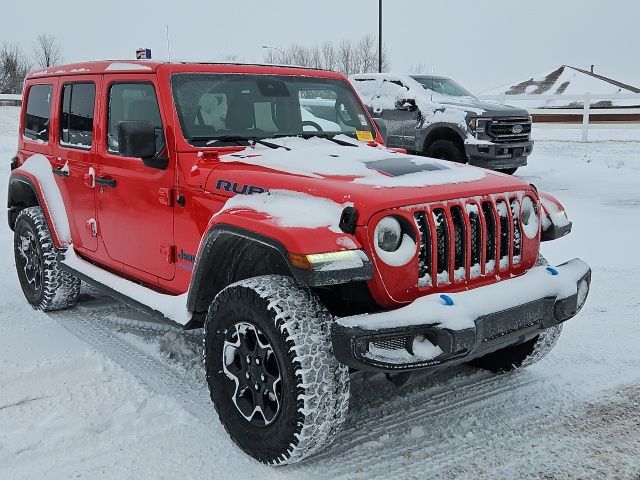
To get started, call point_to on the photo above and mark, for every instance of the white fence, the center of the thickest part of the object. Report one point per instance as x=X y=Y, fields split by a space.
x=587 y=99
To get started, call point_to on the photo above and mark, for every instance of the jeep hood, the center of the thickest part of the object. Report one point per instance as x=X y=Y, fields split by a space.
x=370 y=178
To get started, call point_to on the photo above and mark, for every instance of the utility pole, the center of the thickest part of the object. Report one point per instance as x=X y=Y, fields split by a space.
x=380 y=36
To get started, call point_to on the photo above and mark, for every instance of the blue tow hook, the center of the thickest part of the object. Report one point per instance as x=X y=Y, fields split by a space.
x=446 y=300
x=552 y=271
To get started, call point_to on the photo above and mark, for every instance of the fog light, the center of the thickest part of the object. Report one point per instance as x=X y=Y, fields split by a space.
x=583 y=291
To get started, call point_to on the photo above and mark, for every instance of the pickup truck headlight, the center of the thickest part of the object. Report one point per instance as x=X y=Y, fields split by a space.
x=473 y=123
x=529 y=217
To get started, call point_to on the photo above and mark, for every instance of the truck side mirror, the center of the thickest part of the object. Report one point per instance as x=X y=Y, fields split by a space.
x=138 y=139
x=382 y=127
x=406 y=104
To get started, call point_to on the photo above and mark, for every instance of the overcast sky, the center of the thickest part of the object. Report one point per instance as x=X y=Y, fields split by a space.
x=482 y=44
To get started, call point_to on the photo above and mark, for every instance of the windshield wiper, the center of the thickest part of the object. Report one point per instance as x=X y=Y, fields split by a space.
x=240 y=140
x=327 y=136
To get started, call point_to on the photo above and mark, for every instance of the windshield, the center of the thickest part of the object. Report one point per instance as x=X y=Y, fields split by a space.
x=214 y=108
x=444 y=86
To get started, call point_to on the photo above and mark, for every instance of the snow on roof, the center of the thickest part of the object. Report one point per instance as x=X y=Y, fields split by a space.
x=568 y=80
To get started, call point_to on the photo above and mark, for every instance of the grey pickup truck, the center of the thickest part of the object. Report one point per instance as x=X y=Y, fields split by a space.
x=436 y=117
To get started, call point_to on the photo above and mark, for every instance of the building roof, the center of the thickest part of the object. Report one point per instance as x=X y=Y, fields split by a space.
x=568 y=80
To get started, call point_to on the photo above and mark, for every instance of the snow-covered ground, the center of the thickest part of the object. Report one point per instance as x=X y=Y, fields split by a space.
x=100 y=392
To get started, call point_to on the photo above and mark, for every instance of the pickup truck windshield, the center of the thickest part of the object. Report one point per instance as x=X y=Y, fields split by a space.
x=443 y=86
x=213 y=106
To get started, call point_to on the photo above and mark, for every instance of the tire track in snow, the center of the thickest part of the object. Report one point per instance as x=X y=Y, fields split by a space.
x=94 y=325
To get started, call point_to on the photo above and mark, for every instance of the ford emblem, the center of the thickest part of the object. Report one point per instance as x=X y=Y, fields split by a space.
x=517 y=129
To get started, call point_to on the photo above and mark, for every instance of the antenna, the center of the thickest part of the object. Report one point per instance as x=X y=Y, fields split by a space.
x=166 y=28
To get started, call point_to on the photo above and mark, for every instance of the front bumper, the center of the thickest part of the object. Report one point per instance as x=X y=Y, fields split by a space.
x=497 y=156
x=468 y=325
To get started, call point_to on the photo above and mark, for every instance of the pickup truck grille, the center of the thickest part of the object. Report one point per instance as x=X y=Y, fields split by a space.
x=502 y=129
x=465 y=239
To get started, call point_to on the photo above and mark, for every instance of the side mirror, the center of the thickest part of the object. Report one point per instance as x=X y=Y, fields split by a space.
x=382 y=127
x=406 y=104
x=138 y=139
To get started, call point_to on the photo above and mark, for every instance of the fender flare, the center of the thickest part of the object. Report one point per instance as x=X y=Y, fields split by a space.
x=20 y=180
x=208 y=251
x=425 y=131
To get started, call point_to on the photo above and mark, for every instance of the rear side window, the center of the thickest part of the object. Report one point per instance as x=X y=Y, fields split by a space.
x=38 y=113
x=76 y=118
x=134 y=102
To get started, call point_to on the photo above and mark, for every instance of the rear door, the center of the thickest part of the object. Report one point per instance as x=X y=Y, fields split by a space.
x=395 y=119
x=74 y=156
x=134 y=202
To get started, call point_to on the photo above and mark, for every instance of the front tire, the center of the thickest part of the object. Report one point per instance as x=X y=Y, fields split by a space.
x=277 y=387
x=508 y=171
x=446 y=150
x=45 y=286
x=522 y=355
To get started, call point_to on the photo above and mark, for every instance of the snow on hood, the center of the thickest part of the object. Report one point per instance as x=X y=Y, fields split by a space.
x=365 y=165
x=290 y=209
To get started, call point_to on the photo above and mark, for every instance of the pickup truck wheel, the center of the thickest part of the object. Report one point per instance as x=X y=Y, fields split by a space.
x=273 y=379
x=44 y=284
x=446 y=150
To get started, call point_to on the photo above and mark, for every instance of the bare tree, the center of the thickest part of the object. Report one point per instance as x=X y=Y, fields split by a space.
x=418 y=68
x=14 y=67
x=47 y=51
x=345 y=56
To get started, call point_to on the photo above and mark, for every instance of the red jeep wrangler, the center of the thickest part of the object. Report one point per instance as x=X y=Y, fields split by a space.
x=261 y=202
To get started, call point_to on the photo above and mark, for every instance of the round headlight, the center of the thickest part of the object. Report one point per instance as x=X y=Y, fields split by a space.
x=388 y=234
x=529 y=218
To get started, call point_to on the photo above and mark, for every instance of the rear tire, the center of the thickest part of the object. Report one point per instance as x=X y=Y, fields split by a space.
x=446 y=150
x=45 y=286
x=267 y=344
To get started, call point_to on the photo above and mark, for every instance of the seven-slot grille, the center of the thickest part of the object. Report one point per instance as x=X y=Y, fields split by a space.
x=502 y=129
x=463 y=240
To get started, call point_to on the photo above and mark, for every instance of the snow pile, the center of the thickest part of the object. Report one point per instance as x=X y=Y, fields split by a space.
x=39 y=166
x=290 y=209
x=322 y=158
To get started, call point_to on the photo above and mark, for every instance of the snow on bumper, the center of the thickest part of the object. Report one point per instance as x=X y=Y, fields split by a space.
x=437 y=331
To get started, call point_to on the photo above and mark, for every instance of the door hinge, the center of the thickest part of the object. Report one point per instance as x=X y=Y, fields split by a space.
x=165 y=196
x=168 y=252
x=92 y=227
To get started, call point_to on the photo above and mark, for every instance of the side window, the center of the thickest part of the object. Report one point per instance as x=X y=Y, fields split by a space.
x=133 y=102
x=38 y=113
x=76 y=119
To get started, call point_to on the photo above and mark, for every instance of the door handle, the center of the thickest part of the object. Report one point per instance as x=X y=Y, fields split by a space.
x=60 y=172
x=106 y=182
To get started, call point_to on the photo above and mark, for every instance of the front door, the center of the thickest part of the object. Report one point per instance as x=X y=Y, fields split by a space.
x=135 y=202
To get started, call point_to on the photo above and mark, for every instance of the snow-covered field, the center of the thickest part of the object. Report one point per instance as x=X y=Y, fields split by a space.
x=100 y=392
